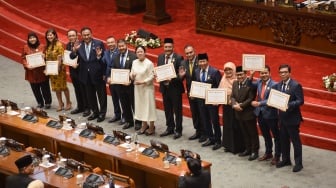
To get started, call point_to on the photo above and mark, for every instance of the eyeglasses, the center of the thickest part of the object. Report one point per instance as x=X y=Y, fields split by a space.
x=283 y=72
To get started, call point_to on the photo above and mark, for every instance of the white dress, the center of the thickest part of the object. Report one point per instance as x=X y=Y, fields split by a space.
x=144 y=96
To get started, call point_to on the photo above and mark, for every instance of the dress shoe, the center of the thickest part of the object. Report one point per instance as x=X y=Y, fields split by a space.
x=244 y=153
x=93 y=116
x=137 y=126
x=195 y=136
x=150 y=131
x=122 y=121
x=86 y=113
x=253 y=156
x=100 y=118
x=142 y=130
x=47 y=106
x=166 y=133
x=283 y=163
x=297 y=168
x=76 y=111
x=114 y=119
x=202 y=139
x=39 y=106
x=275 y=160
x=208 y=143
x=128 y=125
x=177 y=135
x=265 y=157
x=216 y=146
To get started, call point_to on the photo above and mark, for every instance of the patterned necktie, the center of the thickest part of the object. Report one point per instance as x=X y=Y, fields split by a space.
x=167 y=58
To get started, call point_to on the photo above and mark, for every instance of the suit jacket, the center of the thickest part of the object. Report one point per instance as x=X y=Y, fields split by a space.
x=267 y=112
x=189 y=74
x=175 y=83
x=108 y=60
x=244 y=96
x=128 y=65
x=74 y=72
x=92 y=69
x=201 y=181
x=293 y=115
x=18 y=181
x=214 y=76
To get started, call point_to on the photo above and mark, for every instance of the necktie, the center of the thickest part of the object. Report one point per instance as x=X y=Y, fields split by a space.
x=239 y=85
x=191 y=67
x=283 y=87
x=263 y=89
x=122 y=62
x=203 y=76
x=167 y=58
x=87 y=50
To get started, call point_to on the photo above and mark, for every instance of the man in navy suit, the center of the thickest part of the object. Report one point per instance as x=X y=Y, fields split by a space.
x=267 y=116
x=290 y=119
x=171 y=91
x=92 y=72
x=209 y=112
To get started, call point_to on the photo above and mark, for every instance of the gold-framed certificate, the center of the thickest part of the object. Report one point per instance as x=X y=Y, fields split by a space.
x=253 y=62
x=198 y=89
x=51 y=68
x=278 y=99
x=165 y=72
x=216 y=96
x=35 y=60
x=67 y=60
x=120 y=76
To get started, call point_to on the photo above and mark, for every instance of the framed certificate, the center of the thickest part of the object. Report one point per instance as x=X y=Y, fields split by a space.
x=278 y=100
x=67 y=60
x=165 y=72
x=52 y=68
x=216 y=96
x=198 y=89
x=35 y=60
x=120 y=76
x=253 y=62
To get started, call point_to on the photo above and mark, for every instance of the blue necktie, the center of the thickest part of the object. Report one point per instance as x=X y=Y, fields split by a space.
x=122 y=62
x=203 y=76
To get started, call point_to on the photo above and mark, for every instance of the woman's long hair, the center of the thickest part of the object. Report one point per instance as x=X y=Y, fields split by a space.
x=37 y=43
x=52 y=43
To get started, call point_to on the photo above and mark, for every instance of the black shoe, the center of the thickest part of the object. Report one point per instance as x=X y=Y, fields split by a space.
x=76 y=111
x=208 y=143
x=283 y=163
x=216 y=146
x=177 y=135
x=86 y=113
x=40 y=106
x=244 y=153
x=166 y=133
x=101 y=118
x=137 y=126
x=128 y=125
x=297 y=168
x=227 y=150
x=253 y=156
x=114 y=119
x=93 y=116
x=195 y=136
x=202 y=139
x=47 y=106
x=122 y=121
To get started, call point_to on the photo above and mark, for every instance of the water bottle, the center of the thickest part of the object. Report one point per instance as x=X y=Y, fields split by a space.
x=111 y=182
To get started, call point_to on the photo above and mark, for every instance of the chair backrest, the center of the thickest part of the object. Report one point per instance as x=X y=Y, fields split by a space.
x=121 y=178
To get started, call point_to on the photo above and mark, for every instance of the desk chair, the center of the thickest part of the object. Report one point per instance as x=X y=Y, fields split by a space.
x=122 y=178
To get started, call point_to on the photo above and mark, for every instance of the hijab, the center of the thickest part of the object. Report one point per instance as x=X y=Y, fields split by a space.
x=227 y=81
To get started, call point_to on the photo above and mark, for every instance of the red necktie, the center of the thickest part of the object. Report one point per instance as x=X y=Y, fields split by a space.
x=263 y=89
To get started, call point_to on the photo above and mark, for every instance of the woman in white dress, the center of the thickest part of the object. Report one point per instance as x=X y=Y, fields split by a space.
x=142 y=74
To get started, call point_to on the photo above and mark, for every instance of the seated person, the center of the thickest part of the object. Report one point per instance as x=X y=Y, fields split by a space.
x=21 y=180
x=199 y=177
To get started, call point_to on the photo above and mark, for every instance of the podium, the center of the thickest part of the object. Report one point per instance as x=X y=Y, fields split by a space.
x=156 y=12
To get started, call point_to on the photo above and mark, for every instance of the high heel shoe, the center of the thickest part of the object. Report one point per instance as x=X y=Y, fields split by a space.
x=150 y=131
x=68 y=106
x=143 y=130
x=60 y=108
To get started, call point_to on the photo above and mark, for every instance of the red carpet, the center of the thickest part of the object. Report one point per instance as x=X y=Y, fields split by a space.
x=319 y=110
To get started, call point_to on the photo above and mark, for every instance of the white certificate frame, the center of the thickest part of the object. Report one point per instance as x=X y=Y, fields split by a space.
x=35 y=60
x=67 y=60
x=120 y=76
x=198 y=89
x=52 y=68
x=254 y=62
x=216 y=96
x=278 y=99
x=165 y=72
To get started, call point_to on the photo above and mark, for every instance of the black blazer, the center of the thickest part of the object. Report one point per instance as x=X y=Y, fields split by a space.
x=108 y=60
x=128 y=64
x=189 y=74
x=18 y=181
x=201 y=181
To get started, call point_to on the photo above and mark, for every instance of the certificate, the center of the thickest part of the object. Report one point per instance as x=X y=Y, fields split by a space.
x=253 y=62
x=198 y=89
x=216 y=96
x=35 y=60
x=120 y=76
x=165 y=72
x=52 y=68
x=278 y=100
x=67 y=60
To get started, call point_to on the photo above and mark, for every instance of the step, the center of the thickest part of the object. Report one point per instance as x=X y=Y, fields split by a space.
x=318 y=142
x=325 y=97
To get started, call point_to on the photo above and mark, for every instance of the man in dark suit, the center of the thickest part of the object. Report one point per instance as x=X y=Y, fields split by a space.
x=267 y=116
x=189 y=67
x=208 y=112
x=199 y=177
x=21 y=180
x=111 y=53
x=241 y=98
x=171 y=91
x=79 y=87
x=92 y=72
x=290 y=119
x=125 y=92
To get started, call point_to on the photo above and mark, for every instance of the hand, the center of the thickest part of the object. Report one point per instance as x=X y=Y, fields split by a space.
x=139 y=82
x=132 y=76
x=75 y=65
x=237 y=107
x=182 y=71
x=252 y=74
x=76 y=46
x=108 y=80
x=99 y=51
x=255 y=103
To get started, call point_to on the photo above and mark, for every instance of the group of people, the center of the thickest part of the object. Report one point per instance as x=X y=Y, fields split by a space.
x=134 y=101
